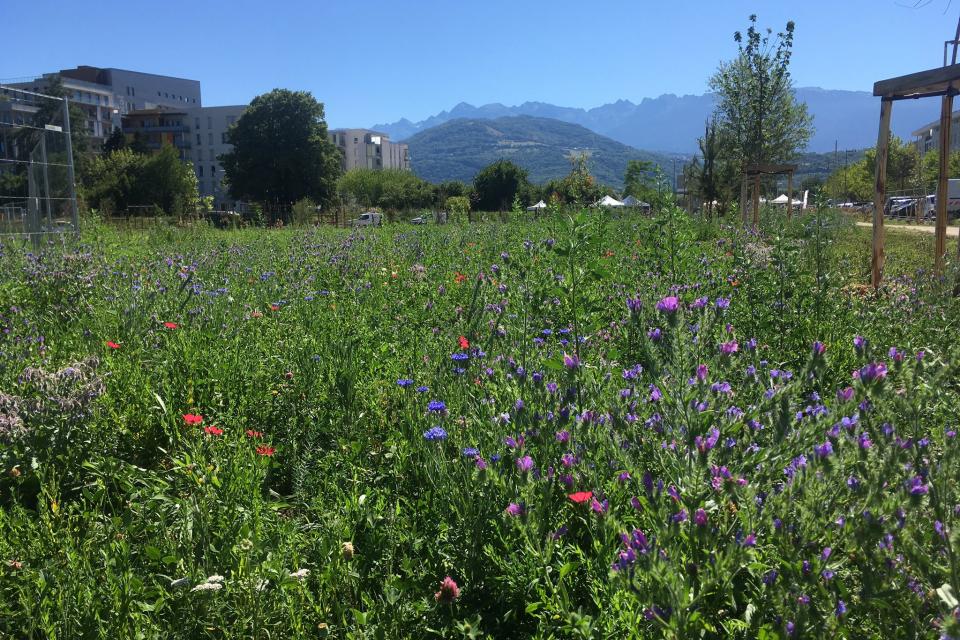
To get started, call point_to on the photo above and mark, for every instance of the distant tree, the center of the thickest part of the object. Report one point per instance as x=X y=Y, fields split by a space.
x=388 y=189
x=930 y=169
x=458 y=207
x=756 y=110
x=452 y=188
x=115 y=141
x=903 y=162
x=853 y=183
x=122 y=179
x=578 y=187
x=639 y=180
x=281 y=152
x=713 y=178
x=497 y=184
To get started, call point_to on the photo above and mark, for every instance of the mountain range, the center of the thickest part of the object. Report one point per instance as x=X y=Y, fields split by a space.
x=673 y=123
x=458 y=149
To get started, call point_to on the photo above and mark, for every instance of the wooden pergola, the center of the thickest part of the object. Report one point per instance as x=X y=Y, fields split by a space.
x=942 y=82
x=755 y=171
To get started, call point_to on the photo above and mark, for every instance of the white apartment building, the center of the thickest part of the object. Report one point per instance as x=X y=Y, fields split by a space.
x=208 y=140
x=366 y=149
x=927 y=137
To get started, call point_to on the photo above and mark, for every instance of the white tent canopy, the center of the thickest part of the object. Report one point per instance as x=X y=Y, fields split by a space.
x=630 y=201
x=539 y=205
x=783 y=199
x=607 y=201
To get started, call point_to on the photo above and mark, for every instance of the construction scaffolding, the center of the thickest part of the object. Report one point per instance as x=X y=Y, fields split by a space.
x=37 y=180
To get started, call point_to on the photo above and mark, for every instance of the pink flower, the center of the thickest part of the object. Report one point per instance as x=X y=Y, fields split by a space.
x=514 y=509
x=449 y=591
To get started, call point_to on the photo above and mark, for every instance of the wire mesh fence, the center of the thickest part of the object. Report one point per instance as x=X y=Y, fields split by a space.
x=37 y=188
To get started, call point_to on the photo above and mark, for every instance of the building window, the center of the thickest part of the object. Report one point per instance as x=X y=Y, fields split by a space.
x=199 y=141
x=196 y=121
x=231 y=120
x=200 y=155
x=200 y=170
x=209 y=122
x=213 y=171
x=210 y=138
x=223 y=137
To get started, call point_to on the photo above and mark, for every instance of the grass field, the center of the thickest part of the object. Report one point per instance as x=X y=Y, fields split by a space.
x=567 y=428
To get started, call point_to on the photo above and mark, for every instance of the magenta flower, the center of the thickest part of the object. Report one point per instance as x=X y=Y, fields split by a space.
x=524 y=464
x=514 y=509
x=449 y=591
x=873 y=371
x=728 y=348
x=571 y=361
x=700 y=518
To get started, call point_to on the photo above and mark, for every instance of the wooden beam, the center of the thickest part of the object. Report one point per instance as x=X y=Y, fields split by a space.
x=789 y=195
x=743 y=199
x=880 y=191
x=756 y=201
x=753 y=169
x=940 y=249
x=929 y=81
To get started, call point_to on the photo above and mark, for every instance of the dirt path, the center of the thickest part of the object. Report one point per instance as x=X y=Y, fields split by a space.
x=952 y=232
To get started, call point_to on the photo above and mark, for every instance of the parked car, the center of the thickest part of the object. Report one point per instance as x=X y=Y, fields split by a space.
x=368 y=219
x=420 y=220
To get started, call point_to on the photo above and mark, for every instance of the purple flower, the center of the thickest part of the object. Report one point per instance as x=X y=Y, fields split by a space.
x=702 y=372
x=750 y=541
x=668 y=305
x=728 y=348
x=841 y=608
x=825 y=554
x=563 y=436
x=514 y=509
x=700 y=518
x=437 y=406
x=859 y=343
x=819 y=348
x=708 y=443
x=844 y=395
x=917 y=487
x=680 y=516
x=655 y=334
x=634 y=305
x=570 y=361
x=599 y=507
x=823 y=450
x=404 y=382
x=722 y=303
x=873 y=371
x=524 y=464
x=655 y=393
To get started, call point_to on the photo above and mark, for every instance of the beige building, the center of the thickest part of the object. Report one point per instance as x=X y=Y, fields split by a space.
x=927 y=137
x=366 y=149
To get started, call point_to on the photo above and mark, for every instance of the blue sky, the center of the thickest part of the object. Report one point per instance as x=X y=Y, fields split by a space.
x=376 y=61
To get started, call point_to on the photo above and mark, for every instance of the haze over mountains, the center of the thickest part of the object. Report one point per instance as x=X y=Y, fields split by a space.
x=673 y=123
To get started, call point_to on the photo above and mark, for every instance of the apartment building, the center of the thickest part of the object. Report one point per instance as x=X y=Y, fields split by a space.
x=208 y=140
x=366 y=149
x=927 y=137
x=150 y=129
x=106 y=94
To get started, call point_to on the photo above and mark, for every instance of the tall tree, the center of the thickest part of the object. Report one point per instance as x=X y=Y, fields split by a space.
x=639 y=180
x=756 y=108
x=281 y=152
x=497 y=184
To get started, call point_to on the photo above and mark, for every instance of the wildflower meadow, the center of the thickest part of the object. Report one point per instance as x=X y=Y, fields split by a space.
x=579 y=426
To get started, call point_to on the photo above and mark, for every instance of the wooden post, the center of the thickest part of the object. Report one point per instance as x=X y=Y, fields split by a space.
x=743 y=199
x=946 y=113
x=756 y=201
x=789 y=195
x=880 y=190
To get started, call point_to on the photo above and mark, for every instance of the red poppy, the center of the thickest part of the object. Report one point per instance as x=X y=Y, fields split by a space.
x=254 y=434
x=170 y=325
x=213 y=430
x=192 y=418
x=464 y=343
x=265 y=450
x=580 y=497
x=112 y=345
x=274 y=307
x=459 y=277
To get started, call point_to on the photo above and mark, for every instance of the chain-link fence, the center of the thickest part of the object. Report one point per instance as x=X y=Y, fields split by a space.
x=37 y=183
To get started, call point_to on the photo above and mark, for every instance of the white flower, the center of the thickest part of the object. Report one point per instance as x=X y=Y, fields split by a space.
x=261 y=585
x=300 y=574
x=208 y=586
x=215 y=578
x=180 y=583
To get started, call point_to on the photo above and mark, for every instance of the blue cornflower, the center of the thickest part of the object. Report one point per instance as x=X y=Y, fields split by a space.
x=422 y=389
x=471 y=452
x=404 y=382
x=459 y=357
x=435 y=433
x=437 y=406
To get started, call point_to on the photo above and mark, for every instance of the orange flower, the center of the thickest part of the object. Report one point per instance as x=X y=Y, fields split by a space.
x=274 y=307
x=170 y=325
x=464 y=343
x=580 y=497
x=112 y=345
x=265 y=450
x=459 y=277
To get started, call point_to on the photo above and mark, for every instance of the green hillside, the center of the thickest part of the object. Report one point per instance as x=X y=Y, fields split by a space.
x=458 y=149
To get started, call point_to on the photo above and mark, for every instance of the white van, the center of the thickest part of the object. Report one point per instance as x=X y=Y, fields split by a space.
x=368 y=219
